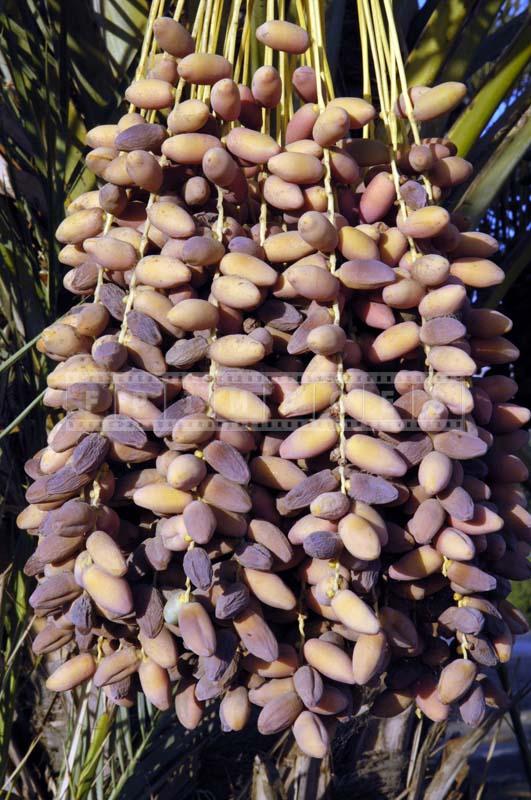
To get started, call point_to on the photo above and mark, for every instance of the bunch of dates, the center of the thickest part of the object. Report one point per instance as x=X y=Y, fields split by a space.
x=286 y=475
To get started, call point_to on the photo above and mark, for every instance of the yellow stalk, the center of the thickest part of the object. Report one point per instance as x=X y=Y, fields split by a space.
x=146 y=43
x=268 y=52
x=206 y=26
x=179 y=9
x=214 y=27
x=382 y=37
x=372 y=42
x=185 y=598
x=214 y=37
x=268 y=61
x=318 y=51
x=326 y=66
x=263 y=204
x=301 y=17
x=228 y=51
x=283 y=60
x=367 y=94
x=291 y=67
x=206 y=31
x=151 y=115
x=154 y=11
x=197 y=32
x=395 y=45
x=232 y=33
x=376 y=36
x=387 y=112
x=246 y=41
x=304 y=23
x=152 y=199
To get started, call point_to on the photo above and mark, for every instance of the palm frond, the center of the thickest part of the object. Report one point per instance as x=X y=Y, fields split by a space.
x=435 y=42
x=470 y=39
x=467 y=129
x=486 y=184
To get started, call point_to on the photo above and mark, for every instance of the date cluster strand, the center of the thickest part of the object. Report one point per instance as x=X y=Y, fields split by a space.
x=287 y=474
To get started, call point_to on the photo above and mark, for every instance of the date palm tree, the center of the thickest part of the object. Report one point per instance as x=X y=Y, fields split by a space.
x=64 y=67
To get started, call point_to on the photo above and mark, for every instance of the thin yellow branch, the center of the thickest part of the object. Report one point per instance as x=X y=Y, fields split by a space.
x=318 y=50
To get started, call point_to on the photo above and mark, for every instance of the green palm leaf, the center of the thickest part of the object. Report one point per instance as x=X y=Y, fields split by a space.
x=486 y=184
x=436 y=41
x=471 y=37
x=467 y=129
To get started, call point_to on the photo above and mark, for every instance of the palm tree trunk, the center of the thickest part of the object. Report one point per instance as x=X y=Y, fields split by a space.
x=374 y=763
x=371 y=757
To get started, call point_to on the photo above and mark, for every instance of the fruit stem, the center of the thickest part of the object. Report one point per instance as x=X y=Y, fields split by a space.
x=243 y=50
x=214 y=24
x=281 y=116
x=317 y=51
x=376 y=37
x=301 y=616
x=398 y=64
x=185 y=598
x=232 y=32
x=268 y=61
x=367 y=93
x=148 y=41
x=154 y=12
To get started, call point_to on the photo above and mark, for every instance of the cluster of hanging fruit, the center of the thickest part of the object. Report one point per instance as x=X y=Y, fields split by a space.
x=285 y=477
